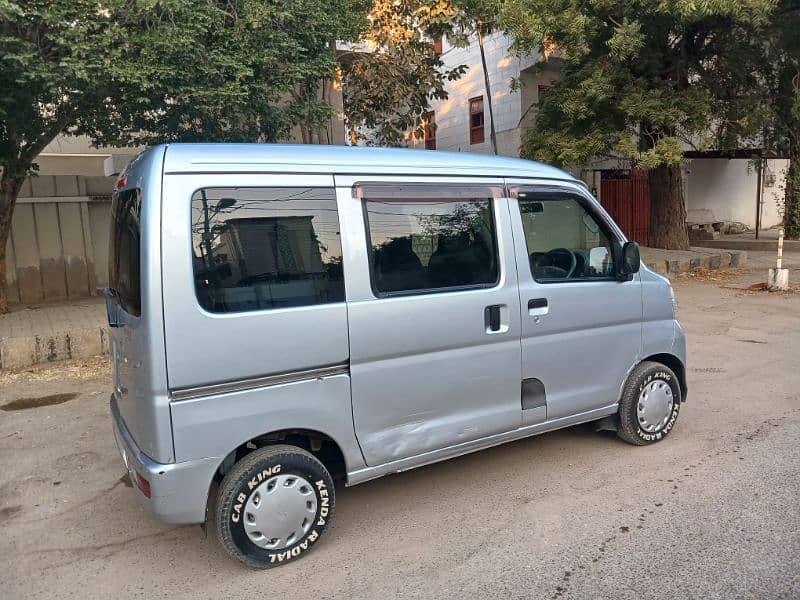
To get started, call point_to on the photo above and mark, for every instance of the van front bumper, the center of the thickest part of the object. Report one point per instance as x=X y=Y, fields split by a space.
x=178 y=491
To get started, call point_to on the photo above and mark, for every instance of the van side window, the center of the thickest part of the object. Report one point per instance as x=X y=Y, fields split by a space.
x=430 y=244
x=564 y=240
x=264 y=248
x=124 y=250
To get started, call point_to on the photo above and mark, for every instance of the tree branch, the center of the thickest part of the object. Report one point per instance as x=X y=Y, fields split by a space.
x=614 y=21
x=31 y=151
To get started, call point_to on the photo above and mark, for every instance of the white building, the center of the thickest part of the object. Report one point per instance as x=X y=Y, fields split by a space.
x=468 y=102
x=729 y=189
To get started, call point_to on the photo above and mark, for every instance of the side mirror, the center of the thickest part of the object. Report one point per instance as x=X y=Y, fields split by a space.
x=630 y=261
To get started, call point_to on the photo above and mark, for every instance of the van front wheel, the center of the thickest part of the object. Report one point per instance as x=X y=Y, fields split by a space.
x=273 y=506
x=650 y=404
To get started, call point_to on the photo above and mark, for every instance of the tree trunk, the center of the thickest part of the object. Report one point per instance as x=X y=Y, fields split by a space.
x=492 y=132
x=791 y=205
x=667 y=209
x=9 y=190
x=305 y=135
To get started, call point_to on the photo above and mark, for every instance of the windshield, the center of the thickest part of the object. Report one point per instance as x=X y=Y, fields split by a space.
x=123 y=264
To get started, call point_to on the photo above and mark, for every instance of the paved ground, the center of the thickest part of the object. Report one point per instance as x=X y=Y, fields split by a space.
x=712 y=512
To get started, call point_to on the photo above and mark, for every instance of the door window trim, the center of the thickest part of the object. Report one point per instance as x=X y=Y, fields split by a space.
x=606 y=227
x=422 y=192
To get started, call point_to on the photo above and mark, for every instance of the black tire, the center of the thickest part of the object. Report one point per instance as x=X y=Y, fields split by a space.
x=242 y=481
x=644 y=374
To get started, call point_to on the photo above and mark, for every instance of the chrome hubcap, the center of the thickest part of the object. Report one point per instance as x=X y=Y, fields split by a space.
x=280 y=511
x=654 y=406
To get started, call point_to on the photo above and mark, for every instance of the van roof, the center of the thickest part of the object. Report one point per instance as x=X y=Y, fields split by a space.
x=313 y=158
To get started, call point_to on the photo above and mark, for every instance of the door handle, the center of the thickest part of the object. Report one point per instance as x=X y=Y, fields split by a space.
x=538 y=307
x=493 y=318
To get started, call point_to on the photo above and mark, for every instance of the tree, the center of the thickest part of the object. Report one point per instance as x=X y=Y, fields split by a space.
x=640 y=81
x=478 y=18
x=778 y=69
x=391 y=75
x=150 y=71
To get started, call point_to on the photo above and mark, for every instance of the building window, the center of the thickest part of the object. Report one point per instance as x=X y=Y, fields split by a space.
x=429 y=130
x=476 y=133
x=541 y=91
x=266 y=248
x=437 y=46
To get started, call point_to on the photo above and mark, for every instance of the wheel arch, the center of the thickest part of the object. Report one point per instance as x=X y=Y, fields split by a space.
x=321 y=445
x=677 y=367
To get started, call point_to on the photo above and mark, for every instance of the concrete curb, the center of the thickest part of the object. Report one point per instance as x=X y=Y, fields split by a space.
x=752 y=245
x=26 y=351
x=712 y=261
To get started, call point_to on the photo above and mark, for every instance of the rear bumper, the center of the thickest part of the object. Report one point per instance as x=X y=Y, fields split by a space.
x=178 y=491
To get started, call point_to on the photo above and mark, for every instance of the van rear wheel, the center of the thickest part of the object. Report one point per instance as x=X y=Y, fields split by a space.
x=273 y=506
x=651 y=401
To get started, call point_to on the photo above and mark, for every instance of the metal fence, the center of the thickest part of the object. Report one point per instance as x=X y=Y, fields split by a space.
x=58 y=248
x=626 y=197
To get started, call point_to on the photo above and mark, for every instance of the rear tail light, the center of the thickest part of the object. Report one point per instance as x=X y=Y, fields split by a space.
x=142 y=483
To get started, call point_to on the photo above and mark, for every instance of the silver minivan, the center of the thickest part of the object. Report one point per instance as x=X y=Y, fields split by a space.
x=283 y=317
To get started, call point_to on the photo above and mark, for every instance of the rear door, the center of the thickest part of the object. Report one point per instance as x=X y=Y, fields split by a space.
x=136 y=332
x=433 y=312
x=581 y=328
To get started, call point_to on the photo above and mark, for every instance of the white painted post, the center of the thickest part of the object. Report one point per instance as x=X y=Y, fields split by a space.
x=778 y=278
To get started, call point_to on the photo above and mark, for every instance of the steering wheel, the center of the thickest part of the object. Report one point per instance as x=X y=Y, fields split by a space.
x=573 y=261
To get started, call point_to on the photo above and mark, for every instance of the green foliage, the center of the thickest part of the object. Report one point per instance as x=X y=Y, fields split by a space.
x=147 y=71
x=776 y=62
x=641 y=80
x=791 y=213
x=471 y=17
x=390 y=77
x=626 y=41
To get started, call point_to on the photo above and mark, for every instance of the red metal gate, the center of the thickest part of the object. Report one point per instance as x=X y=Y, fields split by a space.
x=626 y=197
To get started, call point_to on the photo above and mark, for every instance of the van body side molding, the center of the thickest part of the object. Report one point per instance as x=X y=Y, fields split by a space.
x=258 y=382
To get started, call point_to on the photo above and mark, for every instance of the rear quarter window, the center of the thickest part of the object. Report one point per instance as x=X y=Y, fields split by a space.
x=266 y=248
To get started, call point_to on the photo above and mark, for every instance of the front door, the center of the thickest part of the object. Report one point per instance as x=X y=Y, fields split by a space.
x=433 y=311
x=581 y=327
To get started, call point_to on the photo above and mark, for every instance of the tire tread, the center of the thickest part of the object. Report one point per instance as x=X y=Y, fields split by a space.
x=630 y=395
x=222 y=507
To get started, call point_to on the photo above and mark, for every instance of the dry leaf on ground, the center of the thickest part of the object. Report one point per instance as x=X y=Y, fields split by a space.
x=81 y=369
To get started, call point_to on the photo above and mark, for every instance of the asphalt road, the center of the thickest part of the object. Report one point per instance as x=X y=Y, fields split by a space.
x=711 y=512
